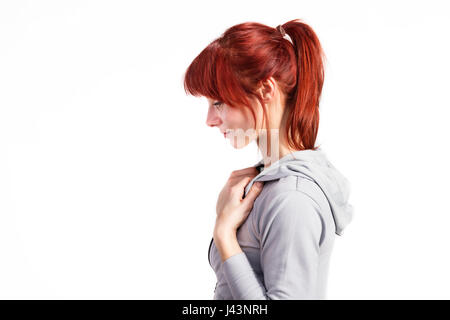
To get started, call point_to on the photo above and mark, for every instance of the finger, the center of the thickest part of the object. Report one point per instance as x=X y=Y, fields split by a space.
x=249 y=170
x=255 y=190
x=237 y=186
x=242 y=181
x=235 y=179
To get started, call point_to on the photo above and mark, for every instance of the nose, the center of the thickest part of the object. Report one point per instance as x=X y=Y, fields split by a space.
x=213 y=119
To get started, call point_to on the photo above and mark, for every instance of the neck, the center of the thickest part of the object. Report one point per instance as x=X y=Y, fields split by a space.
x=278 y=147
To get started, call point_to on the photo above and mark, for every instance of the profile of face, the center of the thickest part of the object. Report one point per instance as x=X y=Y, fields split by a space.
x=236 y=124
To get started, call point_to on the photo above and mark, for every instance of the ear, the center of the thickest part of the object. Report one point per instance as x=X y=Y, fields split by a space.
x=267 y=89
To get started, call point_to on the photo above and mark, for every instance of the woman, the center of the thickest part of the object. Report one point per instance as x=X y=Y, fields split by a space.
x=271 y=241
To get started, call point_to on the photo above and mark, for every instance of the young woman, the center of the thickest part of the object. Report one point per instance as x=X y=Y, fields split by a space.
x=276 y=221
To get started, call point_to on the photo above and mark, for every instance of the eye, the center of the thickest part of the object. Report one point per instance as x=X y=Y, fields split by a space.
x=218 y=104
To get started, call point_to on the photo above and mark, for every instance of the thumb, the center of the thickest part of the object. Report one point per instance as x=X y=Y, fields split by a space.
x=255 y=190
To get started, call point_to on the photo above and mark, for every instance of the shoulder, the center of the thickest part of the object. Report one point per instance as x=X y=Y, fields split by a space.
x=290 y=200
x=292 y=189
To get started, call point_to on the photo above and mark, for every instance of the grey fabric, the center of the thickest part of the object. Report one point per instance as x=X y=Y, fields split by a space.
x=287 y=238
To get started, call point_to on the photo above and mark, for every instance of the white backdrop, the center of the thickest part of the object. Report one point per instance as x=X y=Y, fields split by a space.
x=109 y=175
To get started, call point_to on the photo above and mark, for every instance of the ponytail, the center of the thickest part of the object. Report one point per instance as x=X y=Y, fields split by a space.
x=302 y=119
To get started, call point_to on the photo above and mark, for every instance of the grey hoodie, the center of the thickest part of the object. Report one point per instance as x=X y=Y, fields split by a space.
x=288 y=236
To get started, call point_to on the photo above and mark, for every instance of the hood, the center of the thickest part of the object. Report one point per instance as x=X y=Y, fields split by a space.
x=314 y=165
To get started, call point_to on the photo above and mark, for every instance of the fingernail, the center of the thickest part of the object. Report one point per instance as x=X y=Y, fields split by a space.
x=259 y=184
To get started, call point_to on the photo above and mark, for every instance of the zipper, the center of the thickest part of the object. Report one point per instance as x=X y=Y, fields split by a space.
x=209 y=249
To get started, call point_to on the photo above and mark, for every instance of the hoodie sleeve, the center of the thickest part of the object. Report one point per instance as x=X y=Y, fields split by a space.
x=290 y=231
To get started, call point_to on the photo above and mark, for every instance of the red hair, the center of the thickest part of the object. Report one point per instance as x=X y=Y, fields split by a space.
x=232 y=67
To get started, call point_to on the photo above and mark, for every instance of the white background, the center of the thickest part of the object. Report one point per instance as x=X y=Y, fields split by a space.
x=109 y=175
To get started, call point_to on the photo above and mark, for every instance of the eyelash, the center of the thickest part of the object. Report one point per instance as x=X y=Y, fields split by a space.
x=218 y=104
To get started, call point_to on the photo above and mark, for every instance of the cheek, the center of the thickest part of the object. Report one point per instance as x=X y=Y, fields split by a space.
x=239 y=118
x=234 y=118
x=249 y=120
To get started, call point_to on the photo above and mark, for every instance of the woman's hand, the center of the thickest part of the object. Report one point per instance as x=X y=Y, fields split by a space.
x=231 y=209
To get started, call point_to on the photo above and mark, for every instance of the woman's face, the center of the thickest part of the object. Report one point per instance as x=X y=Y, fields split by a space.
x=237 y=123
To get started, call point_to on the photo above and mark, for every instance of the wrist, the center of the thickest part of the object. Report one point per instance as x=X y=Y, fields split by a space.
x=226 y=243
x=224 y=232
